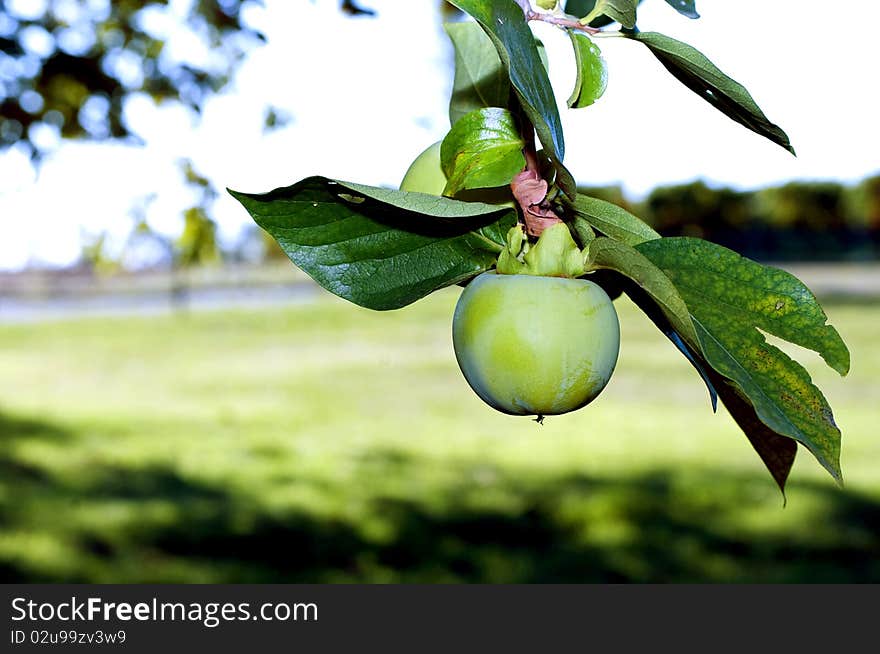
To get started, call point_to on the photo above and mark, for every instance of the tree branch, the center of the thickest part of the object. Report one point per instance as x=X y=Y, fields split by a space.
x=530 y=189
x=559 y=19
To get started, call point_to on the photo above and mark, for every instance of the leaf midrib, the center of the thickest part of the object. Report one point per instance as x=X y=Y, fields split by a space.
x=434 y=242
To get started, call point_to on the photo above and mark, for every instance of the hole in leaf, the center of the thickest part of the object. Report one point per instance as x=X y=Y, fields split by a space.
x=352 y=199
x=809 y=359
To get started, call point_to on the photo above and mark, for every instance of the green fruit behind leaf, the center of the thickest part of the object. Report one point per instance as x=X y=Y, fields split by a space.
x=425 y=174
x=531 y=345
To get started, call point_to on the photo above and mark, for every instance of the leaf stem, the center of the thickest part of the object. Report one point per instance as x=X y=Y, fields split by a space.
x=559 y=19
x=530 y=152
x=491 y=245
x=530 y=188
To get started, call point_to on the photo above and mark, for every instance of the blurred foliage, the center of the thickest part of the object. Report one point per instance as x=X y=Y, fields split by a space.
x=95 y=254
x=197 y=244
x=803 y=221
x=67 y=66
x=864 y=202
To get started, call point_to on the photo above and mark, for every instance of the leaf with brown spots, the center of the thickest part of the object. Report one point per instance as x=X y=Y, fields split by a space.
x=732 y=300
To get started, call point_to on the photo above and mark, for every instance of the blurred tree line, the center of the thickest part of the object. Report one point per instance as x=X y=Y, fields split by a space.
x=797 y=221
x=67 y=68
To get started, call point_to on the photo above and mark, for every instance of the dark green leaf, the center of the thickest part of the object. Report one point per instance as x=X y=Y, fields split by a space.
x=777 y=452
x=732 y=300
x=691 y=67
x=379 y=248
x=482 y=150
x=582 y=231
x=697 y=362
x=542 y=53
x=612 y=221
x=592 y=74
x=505 y=23
x=656 y=294
x=623 y=11
x=685 y=7
x=579 y=8
x=480 y=78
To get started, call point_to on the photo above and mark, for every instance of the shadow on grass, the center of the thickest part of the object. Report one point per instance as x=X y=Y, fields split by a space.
x=151 y=524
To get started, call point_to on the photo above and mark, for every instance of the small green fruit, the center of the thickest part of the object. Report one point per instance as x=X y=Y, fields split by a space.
x=532 y=345
x=425 y=175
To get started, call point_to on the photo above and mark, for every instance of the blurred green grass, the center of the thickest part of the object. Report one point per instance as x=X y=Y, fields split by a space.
x=327 y=443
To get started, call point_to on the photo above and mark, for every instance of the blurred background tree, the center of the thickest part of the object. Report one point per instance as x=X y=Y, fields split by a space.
x=197 y=244
x=68 y=66
x=795 y=221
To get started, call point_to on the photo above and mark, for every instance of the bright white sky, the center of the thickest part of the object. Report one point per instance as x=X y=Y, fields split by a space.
x=368 y=94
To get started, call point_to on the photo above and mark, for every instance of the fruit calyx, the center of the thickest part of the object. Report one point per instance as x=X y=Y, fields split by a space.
x=554 y=255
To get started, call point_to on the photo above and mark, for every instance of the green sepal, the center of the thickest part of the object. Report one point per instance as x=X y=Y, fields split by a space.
x=554 y=255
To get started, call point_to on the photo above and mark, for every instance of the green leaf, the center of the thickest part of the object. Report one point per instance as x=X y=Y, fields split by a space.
x=583 y=7
x=582 y=231
x=482 y=150
x=379 y=248
x=579 y=7
x=505 y=23
x=646 y=283
x=612 y=220
x=592 y=73
x=685 y=7
x=691 y=67
x=542 y=53
x=732 y=300
x=652 y=289
x=623 y=11
x=480 y=78
x=609 y=254
x=777 y=452
x=697 y=362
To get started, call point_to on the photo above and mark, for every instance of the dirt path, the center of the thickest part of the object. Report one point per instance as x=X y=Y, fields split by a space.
x=35 y=298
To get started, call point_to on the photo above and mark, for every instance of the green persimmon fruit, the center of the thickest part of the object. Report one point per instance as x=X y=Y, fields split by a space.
x=425 y=175
x=534 y=345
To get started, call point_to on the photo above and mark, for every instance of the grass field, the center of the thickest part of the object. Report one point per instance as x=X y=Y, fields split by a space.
x=326 y=443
